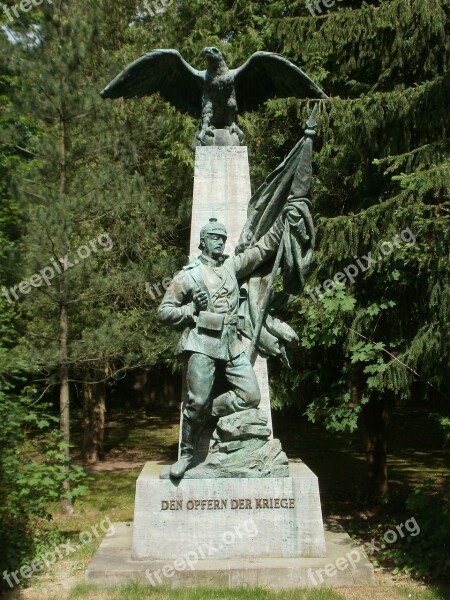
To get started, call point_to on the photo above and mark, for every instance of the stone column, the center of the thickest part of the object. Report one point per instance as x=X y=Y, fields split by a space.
x=222 y=190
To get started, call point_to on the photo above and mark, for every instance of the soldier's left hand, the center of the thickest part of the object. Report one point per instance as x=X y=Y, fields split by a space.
x=201 y=300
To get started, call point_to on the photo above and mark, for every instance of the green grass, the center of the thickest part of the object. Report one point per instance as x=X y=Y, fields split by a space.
x=415 y=451
x=136 y=591
x=433 y=593
x=139 y=591
x=135 y=435
x=110 y=494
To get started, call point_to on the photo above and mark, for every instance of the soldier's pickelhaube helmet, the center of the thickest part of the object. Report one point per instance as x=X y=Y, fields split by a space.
x=213 y=227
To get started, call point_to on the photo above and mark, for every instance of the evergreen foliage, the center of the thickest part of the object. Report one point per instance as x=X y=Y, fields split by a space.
x=92 y=194
x=383 y=167
x=84 y=167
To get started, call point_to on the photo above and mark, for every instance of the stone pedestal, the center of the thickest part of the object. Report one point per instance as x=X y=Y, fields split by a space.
x=240 y=518
x=345 y=565
x=229 y=533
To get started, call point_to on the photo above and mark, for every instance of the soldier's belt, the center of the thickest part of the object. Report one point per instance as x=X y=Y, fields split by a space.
x=231 y=319
x=214 y=321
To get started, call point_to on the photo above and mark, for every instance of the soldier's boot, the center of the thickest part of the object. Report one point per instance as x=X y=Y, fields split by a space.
x=229 y=403
x=189 y=434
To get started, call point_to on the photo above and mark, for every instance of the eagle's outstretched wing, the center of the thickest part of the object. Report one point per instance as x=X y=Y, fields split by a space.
x=163 y=71
x=268 y=75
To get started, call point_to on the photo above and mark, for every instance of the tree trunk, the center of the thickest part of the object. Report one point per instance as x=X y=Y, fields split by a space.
x=64 y=396
x=376 y=416
x=94 y=407
x=375 y=419
x=64 y=405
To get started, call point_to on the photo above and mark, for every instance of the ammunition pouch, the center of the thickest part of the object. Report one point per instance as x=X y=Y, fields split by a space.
x=209 y=322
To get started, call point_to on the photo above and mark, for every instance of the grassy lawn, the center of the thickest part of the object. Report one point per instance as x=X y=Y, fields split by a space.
x=135 y=591
x=416 y=454
x=139 y=592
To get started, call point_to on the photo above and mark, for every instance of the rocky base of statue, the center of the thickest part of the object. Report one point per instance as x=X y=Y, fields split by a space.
x=241 y=448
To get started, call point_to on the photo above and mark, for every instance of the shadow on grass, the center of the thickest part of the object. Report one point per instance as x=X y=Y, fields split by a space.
x=415 y=453
x=135 y=436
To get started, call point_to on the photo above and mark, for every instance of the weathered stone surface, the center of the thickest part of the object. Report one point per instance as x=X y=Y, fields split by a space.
x=228 y=447
x=243 y=425
x=252 y=460
x=173 y=517
x=113 y=565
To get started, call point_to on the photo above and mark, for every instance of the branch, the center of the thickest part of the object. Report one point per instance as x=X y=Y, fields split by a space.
x=402 y=363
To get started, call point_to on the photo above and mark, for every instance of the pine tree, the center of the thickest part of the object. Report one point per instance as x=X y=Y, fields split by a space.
x=52 y=99
x=30 y=447
x=98 y=219
x=383 y=169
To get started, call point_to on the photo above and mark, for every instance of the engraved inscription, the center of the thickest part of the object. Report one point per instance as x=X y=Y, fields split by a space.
x=232 y=504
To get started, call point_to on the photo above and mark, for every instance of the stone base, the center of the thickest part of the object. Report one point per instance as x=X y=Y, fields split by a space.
x=240 y=518
x=345 y=564
x=221 y=137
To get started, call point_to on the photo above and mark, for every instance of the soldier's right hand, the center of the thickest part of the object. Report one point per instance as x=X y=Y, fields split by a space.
x=200 y=301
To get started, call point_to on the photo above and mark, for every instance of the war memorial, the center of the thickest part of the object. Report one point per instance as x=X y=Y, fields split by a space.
x=233 y=510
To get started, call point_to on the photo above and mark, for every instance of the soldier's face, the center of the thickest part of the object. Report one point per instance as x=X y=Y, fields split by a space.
x=214 y=245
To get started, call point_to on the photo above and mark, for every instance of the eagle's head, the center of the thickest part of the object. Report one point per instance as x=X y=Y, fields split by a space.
x=214 y=57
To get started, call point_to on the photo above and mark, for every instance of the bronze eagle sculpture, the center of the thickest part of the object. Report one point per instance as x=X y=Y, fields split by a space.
x=217 y=94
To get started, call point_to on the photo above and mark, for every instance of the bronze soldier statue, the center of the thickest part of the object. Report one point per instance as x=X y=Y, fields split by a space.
x=204 y=297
